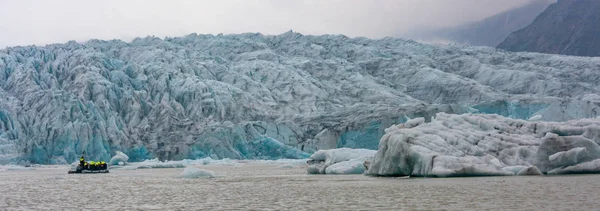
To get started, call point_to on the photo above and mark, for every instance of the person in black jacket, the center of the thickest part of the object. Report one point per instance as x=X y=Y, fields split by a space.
x=82 y=162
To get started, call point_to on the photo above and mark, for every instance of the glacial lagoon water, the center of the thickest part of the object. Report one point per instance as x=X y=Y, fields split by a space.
x=256 y=186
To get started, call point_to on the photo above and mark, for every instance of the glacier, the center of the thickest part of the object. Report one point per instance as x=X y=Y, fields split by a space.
x=487 y=145
x=254 y=96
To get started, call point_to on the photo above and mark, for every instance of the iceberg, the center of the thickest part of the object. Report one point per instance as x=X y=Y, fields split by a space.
x=120 y=158
x=352 y=166
x=454 y=145
x=531 y=170
x=339 y=161
x=254 y=96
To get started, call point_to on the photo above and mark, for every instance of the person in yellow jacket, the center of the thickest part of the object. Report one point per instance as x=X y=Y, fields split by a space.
x=92 y=165
x=102 y=165
x=81 y=161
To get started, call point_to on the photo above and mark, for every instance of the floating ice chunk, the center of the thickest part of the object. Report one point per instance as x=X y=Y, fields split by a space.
x=532 y=170
x=569 y=157
x=587 y=167
x=191 y=172
x=120 y=158
x=294 y=162
x=321 y=160
x=514 y=169
x=155 y=163
x=332 y=156
x=486 y=145
x=315 y=167
x=557 y=151
x=352 y=166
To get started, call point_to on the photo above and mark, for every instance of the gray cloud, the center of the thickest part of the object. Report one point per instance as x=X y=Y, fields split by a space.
x=38 y=22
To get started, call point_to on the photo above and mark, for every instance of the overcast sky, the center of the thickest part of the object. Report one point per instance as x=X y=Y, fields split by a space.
x=25 y=22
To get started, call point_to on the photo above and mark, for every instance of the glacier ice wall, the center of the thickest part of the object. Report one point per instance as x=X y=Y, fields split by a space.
x=487 y=145
x=243 y=96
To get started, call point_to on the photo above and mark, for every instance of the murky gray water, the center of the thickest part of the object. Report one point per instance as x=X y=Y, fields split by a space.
x=269 y=187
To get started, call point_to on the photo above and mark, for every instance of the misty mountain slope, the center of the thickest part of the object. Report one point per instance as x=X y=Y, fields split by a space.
x=569 y=27
x=490 y=31
x=251 y=96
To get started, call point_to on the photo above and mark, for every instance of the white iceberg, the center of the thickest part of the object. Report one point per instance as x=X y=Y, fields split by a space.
x=352 y=166
x=339 y=161
x=531 y=170
x=120 y=159
x=487 y=145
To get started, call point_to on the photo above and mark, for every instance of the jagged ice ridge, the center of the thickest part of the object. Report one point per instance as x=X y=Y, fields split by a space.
x=251 y=96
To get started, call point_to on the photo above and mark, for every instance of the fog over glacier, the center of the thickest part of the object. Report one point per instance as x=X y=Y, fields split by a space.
x=251 y=96
x=42 y=22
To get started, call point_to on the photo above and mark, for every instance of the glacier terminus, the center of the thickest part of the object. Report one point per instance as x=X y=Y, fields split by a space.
x=254 y=96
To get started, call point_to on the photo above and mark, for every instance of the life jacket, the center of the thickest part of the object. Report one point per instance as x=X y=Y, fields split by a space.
x=81 y=159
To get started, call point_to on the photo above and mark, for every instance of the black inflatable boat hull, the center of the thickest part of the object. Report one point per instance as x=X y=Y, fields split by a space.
x=88 y=171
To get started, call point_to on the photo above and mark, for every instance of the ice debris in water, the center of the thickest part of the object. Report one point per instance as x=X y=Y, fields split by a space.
x=488 y=145
x=17 y=167
x=339 y=161
x=287 y=166
x=120 y=159
x=191 y=172
x=155 y=163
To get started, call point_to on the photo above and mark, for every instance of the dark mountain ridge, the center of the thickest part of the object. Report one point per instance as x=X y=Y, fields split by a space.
x=569 y=27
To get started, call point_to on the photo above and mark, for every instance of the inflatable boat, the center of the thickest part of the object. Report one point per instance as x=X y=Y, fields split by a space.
x=89 y=169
